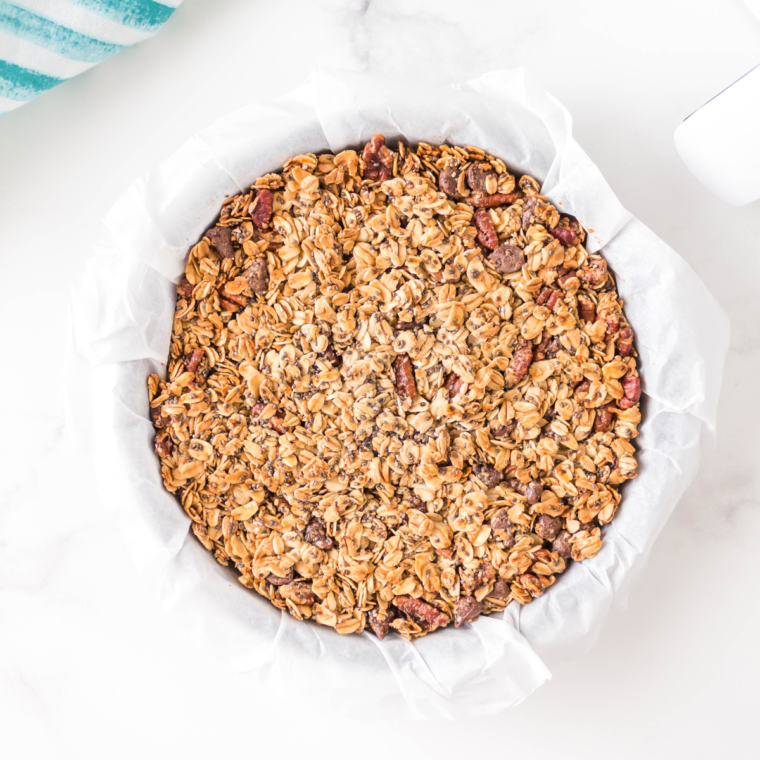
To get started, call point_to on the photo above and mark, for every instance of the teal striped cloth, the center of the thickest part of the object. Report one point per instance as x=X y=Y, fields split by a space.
x=45 y=42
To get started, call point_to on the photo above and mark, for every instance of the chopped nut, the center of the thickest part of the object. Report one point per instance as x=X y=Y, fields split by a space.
x=562 y=544
x=624 y=341
x=603 y=418
x=221 y=239
x=185 y=289
x=454 y=384
x=500 y=590
x=467 y=609
x=595 y=274
x=163 y=444
x=565 y=235
x=531 y=491
x=420 y=611
x=258 y=276
x=380 y=621
x=548 y=296
x=488 y=475
x=261 y=209
x=298 y=593
x=405 y=383
x=521 y=362
x=281 y=580
x=193 y=359
x=316 y=533
x=631 y=390
x=504 y=430
x=586 y=308
x=379 y=160
x=486 y=231
x=480 y=200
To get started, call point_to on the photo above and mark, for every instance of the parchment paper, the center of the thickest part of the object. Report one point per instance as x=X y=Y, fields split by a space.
x=121 y=319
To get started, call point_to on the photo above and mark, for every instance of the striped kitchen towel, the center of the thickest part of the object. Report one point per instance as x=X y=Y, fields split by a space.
x=44 y=42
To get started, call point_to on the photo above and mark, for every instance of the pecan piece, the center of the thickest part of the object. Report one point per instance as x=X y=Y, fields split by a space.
x=405 y=382
x=521 y=361
x=487 y=236
x=331 y=357
x=237 y=298
x=281 y=580
x=193 y=359
x=378 y=159
x=380 y=621
x=595 y=274
x=488 y=475
x=185 y=287
x=478 y=175
x=485 y=573
x=603 y=418
x=586 y=308
x=549 y=345
x=631 y=390
x=466 y=610
x=625 y=342
x=613 y=323
x=507 y=258
x=261 y=208
x=548 y=527
x=316 y=533
x=544 y=296
x=450 y=181
x=454 y=384
x=221 y=239
x=553 y=298
x=420 y=611
x=258 y=275
x=563 y=544
x=565 y=276
x=480 y=200
x=160 y=420
x=163 y=444
x=565 y=235
x=298 y=593
x=501 y=590
x=504 y=430
x=581 y=390
x=274 y=422
x=531 y=491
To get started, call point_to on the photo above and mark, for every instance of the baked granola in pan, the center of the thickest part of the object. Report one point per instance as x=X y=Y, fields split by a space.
x=400 y=392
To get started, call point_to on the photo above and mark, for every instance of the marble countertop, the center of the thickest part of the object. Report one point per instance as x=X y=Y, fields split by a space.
x=90 y=665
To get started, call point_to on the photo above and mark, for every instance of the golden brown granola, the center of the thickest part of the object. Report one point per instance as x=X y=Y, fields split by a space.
x=400 y=391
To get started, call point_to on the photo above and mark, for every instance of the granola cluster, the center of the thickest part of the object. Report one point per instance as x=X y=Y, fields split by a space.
x=400 y=392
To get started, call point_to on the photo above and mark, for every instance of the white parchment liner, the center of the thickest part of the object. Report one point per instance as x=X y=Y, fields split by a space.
x=121 y=320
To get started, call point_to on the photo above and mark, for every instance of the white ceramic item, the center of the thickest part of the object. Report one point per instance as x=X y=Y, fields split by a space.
x=719 y=142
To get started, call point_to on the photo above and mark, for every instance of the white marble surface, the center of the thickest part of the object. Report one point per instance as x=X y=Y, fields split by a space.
x=89 y=664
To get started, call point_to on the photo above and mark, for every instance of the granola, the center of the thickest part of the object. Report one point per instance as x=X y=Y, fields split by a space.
x=400 y=391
